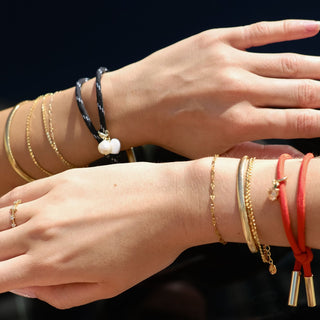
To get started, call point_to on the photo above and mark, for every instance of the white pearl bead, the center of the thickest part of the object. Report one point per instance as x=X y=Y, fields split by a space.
x=104 y=147
x=115 y=146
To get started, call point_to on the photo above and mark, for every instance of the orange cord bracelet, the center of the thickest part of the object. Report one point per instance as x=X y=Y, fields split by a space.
x=303 y=254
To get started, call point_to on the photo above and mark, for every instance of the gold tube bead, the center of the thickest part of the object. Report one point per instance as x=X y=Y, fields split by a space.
x=242 y=168
x=311 y=297
x=131 y=155
x=294 y=288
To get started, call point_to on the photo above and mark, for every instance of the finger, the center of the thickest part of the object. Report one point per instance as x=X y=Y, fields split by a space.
x=262 y=33
x=284 y=65
x=297 y=93
x=270 y=123
x=22 y=213
x=27 y=192
x=14 y=273
x=261 y=151
x=11 y=244
x=67 y=295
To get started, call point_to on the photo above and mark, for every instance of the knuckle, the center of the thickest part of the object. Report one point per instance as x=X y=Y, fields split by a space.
x=15 y=194
x=257 y=31
x=287 y=26
x=307 y=94
x=306 y=123
x=233 y=83
x=290 y=64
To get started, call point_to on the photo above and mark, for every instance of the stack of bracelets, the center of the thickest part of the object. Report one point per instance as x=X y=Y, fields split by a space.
x=303 y=254
x=110 y=148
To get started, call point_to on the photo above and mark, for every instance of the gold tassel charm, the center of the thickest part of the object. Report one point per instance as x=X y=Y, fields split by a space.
x=311 y=297
x=294 y=288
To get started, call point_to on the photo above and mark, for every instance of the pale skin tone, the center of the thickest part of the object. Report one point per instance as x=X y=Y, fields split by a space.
x=201 y=96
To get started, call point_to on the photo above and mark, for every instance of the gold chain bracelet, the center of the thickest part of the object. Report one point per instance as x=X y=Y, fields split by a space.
x=264 y=250
x=49 y=129
x=28 y=130
x=212 y=200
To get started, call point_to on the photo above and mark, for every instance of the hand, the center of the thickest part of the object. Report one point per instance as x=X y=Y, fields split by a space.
x=206 y=94
x=89 y=234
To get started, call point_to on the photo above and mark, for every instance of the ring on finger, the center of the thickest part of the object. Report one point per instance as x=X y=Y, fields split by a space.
x=13 y=211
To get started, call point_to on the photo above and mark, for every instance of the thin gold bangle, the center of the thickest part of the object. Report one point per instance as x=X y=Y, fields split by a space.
x=7 y=147
x=212 y=199
x=28 y=129
x=49 y=129
x=242 y=168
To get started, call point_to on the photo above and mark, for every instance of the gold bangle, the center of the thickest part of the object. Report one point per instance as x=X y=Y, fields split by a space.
x=265 y=251
x=49 y=130
x=212 y=199
x=7 y=147
x=28 y=129
x=242 y=168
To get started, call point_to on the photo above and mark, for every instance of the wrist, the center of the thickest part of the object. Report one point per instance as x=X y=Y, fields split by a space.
x=127 y=106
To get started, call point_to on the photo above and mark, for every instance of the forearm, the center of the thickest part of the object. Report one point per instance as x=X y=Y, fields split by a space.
x=267 y=212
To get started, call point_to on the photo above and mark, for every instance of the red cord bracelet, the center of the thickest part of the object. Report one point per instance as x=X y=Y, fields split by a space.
x=303 y=255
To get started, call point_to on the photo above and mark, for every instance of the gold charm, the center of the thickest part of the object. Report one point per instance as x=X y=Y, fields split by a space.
x=273 y=192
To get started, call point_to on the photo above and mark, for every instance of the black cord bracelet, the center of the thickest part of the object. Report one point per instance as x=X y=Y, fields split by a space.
x=83 y=110
x=99 y=73
x=106 y=144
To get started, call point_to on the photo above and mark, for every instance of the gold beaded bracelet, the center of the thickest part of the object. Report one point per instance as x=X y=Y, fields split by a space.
x=212 y=199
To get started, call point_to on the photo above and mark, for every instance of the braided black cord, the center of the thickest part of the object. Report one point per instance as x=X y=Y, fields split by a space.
x=83 y=110
x=100 y=72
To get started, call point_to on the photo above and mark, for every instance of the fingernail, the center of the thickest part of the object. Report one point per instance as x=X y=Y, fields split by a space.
x=24 y=293
x=312 y=25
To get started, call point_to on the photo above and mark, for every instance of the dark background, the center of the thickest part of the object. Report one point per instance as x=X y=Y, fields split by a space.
x=47 y=45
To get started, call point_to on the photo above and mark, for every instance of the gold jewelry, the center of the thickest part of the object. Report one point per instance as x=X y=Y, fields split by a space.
x=212 y=198
x=131 y=155
x=273 y=192
x=49 y=130
x=13 y=211
x=263 y=249
x=242 y=168
x=7 y=147
x=28 y=129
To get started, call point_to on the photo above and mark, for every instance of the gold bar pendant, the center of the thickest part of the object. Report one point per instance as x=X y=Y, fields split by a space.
x=311 y=297
x=294 y=288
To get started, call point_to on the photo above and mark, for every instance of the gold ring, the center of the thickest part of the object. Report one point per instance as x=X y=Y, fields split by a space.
x=13 y=211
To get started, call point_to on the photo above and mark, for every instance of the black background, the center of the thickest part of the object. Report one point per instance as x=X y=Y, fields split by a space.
x=48 y=45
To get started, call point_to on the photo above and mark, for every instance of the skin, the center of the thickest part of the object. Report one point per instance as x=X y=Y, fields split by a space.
x=80 y=255
x=201 y=96
x=186 y=98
